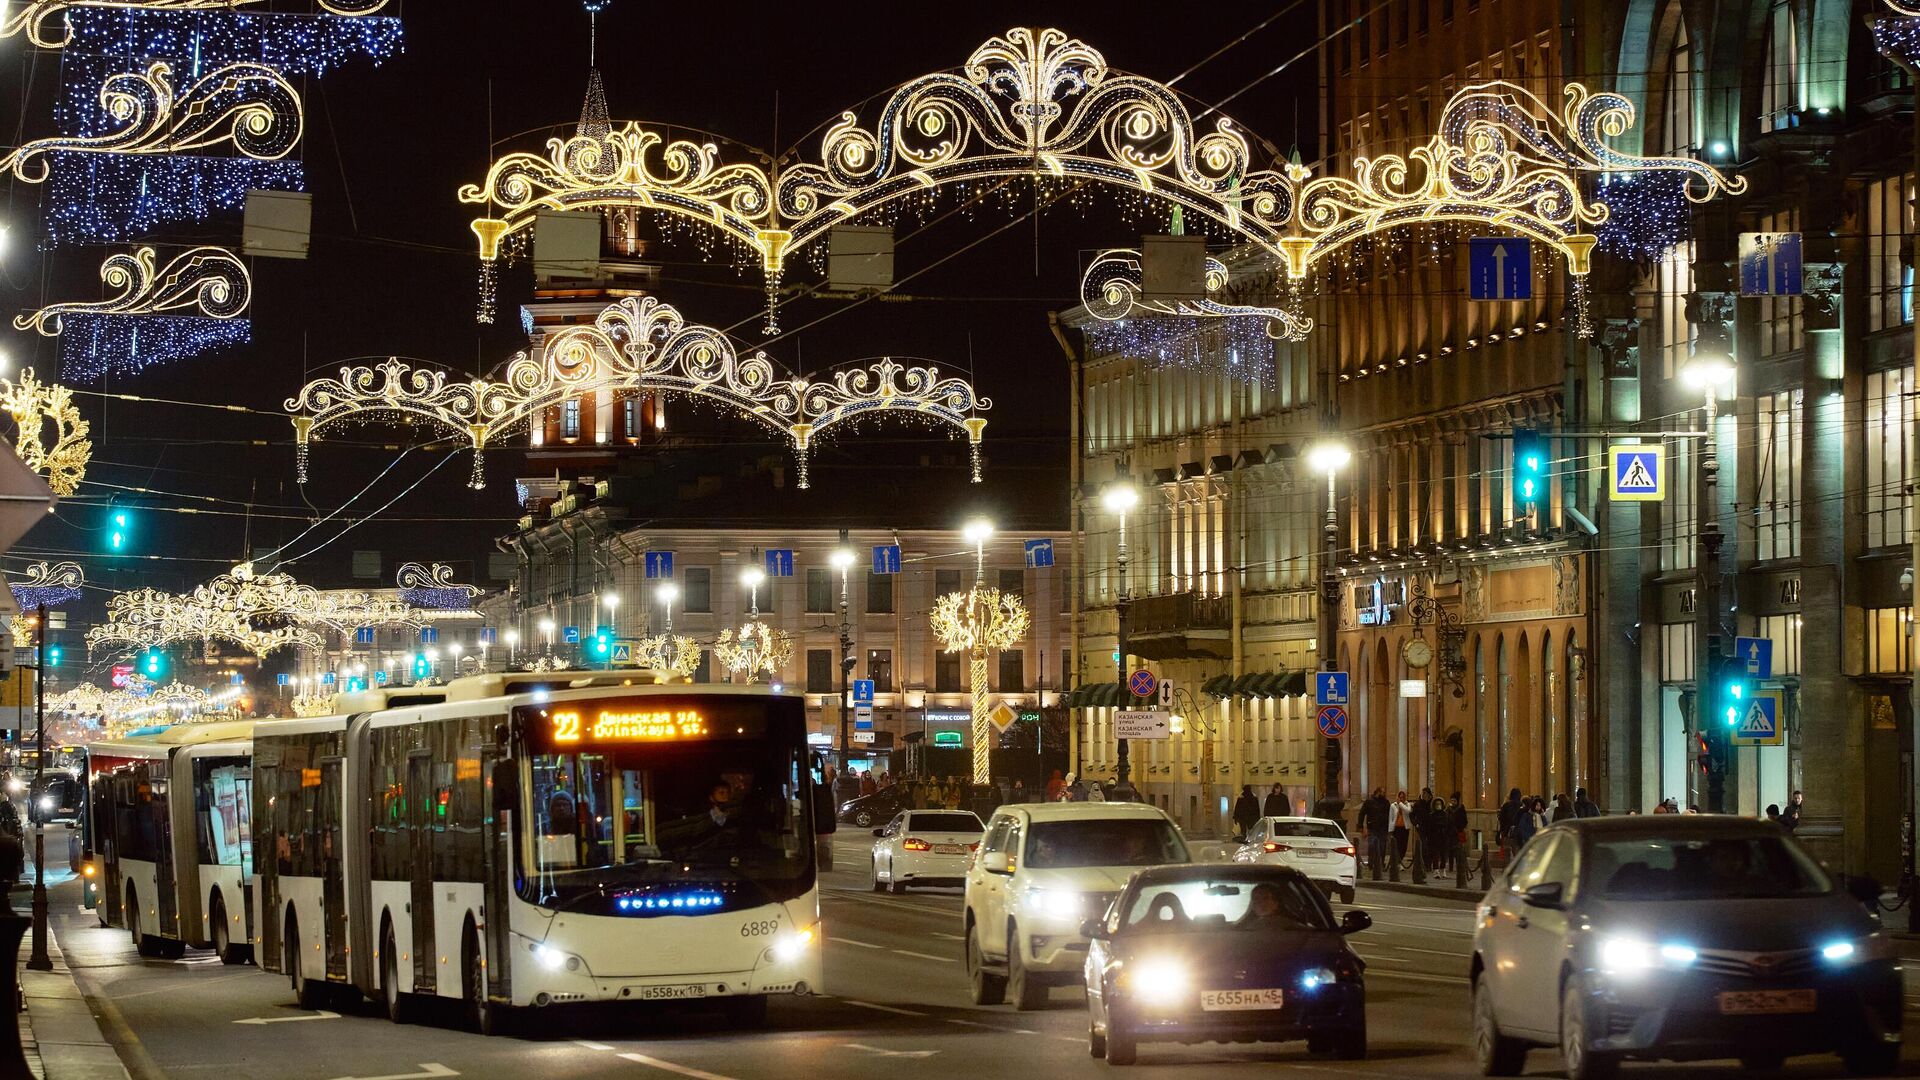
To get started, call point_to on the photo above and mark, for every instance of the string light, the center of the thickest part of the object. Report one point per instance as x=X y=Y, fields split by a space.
x=1897 y=37
x=1111 y=290
x=1241 y=347
x=36 y=17
x=433 y=587
x=1646 y=215
x=130 y=330
x=262 y=613
x=754 y=649
x=46 y=585
x=104 y=198
x=95 y=345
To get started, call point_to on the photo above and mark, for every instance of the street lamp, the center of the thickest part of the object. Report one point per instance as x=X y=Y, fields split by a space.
x=1329 y=456
x=1119 y=498
x=978 y=532
x=546 y=629
x=513 y=647
x=842 y=560
x=455 y=650
x=1708 y=373
x=752 y=577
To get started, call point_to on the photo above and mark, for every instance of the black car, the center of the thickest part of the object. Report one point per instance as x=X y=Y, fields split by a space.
x=1224 y=953
x=880 y=806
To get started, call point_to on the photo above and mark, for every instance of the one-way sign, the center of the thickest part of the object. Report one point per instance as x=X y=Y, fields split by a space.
x=1499 y=268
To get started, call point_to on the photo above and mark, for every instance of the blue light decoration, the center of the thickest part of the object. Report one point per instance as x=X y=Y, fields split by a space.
x=92 y=346
x=692 y=902
x=1647 y=214
x=107 y=198
x=1238 y=346
x=1897 y=37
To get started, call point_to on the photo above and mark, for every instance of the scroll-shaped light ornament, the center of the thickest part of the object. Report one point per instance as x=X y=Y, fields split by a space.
x=1111 y=291
x=433 y=587
x=206 y=281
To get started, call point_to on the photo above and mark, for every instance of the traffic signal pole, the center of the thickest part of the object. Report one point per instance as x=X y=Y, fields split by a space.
x=40 y=960
x=1707 y=676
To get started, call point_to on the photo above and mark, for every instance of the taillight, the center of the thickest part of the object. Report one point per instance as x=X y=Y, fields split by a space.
x=1344 y=849
x=916 y=844
x=975 y=846
x=1270 y=846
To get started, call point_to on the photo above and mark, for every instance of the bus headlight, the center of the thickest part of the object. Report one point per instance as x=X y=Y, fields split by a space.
x=554 y=960
x=792 y=946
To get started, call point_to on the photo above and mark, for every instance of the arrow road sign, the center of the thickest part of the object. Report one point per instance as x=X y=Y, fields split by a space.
x=1141 y=724
x=1760 y=725
x=1499 y=268
x=886 y=559
x=1332 y=720
x=1039 y=554
x=1770 y=264
x=1757 y=654
x=863 y=691
x=659 y=564
x=1639 y=472
x=1329 y=688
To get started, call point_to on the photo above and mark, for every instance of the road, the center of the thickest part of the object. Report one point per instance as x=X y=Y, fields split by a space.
x=895 y=1006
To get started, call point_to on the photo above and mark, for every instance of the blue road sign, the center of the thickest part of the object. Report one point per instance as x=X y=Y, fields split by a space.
x=1757 y=654
x=622 y=652
x=779 y=562
x=363 y=635
x=1760 y=723
x=489 y=635
x=570 y=635
x=1142 y=683
x=886 y=559
x=1332 y=720
x=283 y=679
x=659 y=564
x=380 y=677
x=863 y=691
x=1039 y=554
x=1639 y=472
x=236 y=679
x=329 y=678
x=1499 y=268
x=429 y=635
x=1329 y=688
x=1770 y=264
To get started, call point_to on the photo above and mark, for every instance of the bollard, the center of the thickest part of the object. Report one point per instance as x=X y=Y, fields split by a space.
x=1393 y=864
x=1486 y=868
x=1459 y=866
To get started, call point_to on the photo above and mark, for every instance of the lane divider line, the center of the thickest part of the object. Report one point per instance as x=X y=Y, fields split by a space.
x=850 y=941
x=883 y=1008
x=668 y=1066
x=926 y=956
x=591 y=1045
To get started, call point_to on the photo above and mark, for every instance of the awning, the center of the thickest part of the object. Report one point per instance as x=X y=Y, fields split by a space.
x=1295 y=684
x=1218 y=686
x=1262 y=684
x=1094 y=696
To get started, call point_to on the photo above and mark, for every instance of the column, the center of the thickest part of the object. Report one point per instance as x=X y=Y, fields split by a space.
x=1624 y=746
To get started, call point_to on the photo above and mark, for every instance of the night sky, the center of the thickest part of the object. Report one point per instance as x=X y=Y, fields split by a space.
x=393 y=265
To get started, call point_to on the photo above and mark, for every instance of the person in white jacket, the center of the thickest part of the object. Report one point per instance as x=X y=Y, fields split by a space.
x=1399 y=825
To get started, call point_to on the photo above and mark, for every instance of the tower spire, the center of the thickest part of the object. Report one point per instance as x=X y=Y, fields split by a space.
x=594 y=120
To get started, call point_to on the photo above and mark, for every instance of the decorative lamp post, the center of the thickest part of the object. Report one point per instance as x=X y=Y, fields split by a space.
x=433 y=662
x=611 y=602
x=1330 y=457
x=842 y=560
x=1708 y=373
x=979 y=622
x=666 y=652
x=513 y=648
x=752 y=577
x=1119 y=499
x=546 y=629
x=454 y=650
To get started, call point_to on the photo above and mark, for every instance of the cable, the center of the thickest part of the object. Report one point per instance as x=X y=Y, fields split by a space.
x=356 y=524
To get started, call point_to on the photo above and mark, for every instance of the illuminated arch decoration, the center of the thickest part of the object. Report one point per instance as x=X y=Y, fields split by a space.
x=433 y=587
x=61 y=454
x=1040 y=104
x=980 y=622
x=37 y=17
x=192 y=305
x=262 y=613
x=636 y=344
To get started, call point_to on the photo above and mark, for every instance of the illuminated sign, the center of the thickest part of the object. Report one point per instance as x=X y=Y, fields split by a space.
x=611 y=726
x=948 y=738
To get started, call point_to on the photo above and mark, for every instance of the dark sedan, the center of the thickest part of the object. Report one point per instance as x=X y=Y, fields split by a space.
x=869 y=810
x=1218 y=953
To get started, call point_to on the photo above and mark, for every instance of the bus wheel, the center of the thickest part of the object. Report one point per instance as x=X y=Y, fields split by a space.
x=132 y=915
x=483 y=1016
x=223 y=937
x=399 y=1006
x=307 y=993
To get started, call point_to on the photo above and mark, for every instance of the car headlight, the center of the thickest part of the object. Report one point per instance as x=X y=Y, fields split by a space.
x=791 y=946
x=553 y=959
x=46 y=802
x=1314 y=978
x=1058 y=903
x=1842 y=952
x=1159 y=981
x=1631 y=956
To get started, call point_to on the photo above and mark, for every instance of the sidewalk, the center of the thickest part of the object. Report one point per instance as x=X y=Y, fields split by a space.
x=62 y=1036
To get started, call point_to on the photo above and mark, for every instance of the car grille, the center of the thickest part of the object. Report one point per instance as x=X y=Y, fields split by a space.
x=1747 y=965
x=1620 y=1020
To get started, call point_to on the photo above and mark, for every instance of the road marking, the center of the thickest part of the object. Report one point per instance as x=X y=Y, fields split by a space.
x=993 y=1027
x=1429 y=952
x=1444 y=980
x=890 y=1053
x=321 y=1015
x=591 y=1045
x=433 y=1068
x=1388 y=959
x=949 y=937
x=850 y=941
x=882 y=1008
x=927 y=956
x=668 y=1066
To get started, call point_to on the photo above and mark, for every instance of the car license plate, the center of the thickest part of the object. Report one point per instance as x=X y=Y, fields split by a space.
x=949 y=849
x=672 y=993
x=1311 y=854
x=1751 y=1002
x=1231 y=1000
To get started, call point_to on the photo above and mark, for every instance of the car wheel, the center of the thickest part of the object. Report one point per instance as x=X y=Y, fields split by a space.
x=877 y=886
x=1496 y=1054
x=895 y=886
x=1346 y=895
x=1027 y=994
x=1872 y=1059
x=1581 y=1061
x=399 y=1006
x=133 y=921
x=863 y=818
x=986 y=988
x=484 y=1016
x=1122 y=1047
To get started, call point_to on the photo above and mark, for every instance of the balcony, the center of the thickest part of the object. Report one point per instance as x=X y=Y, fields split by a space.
x=1180 y=625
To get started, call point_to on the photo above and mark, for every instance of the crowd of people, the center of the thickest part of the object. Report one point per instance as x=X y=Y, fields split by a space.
x=1390 y=828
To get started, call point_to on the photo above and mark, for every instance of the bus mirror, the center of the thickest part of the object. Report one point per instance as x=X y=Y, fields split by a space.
x=824 y=821
x=506 y=786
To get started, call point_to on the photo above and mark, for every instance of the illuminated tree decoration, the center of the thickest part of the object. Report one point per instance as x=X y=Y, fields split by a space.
x=433 y=587
x=132 y=329
x=637 y=344
x=1110 y=290
x=36 y=17
x=35 y=408
x=980 y=622
x=312 y=704
x=669 y=653
x=755 y=649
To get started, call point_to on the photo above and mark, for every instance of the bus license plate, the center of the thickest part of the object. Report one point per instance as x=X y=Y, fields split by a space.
x=672 y=993
x=1752 y=1002
x=1231 y=1000
x=949 y=849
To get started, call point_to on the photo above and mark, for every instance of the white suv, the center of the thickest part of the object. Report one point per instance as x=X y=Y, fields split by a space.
x=1043 y=869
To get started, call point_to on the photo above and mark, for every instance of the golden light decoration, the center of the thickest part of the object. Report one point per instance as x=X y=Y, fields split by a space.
x=42 y=586
x=262 y=613
x=753 y=650
x=312 y=704
x=206 y=281
x=980 y=622
x=1040 y=104
x=1111 y=291
x=674 y=653
x=83 y=700
x=249 y=106
x=1905 y=7
x=637 y=344
x=62 y=456
x=36 y=17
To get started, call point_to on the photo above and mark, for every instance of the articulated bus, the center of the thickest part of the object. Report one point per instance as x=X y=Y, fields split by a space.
x=541 y=839
x=168 y=849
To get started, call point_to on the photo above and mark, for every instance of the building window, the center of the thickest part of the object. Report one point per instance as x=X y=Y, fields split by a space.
x=1673 y=281
x=949 y=581
x=630 y=417
x=1890 y=218
x=1013 y=582
x=946 y=673
x=1343 y=41
x=570 y=419
x=1784 y=632
x=696 y=590
x=879 y=594
x=1780 y=86
x=1889 y=429
x=1889 y=649
x=819 y=591
x=1677 y=128
x=1677 y=513
x=880 y=670
x=1776 y=504
x=1781 y=325
x=1423 y=12
x=1013 y=671
x=1403 y=23
x=819 y=671
x=1676 y=652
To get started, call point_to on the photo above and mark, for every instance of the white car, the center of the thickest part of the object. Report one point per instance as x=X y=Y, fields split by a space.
x=925 y=847
x=1317 y=847
x=1043 y=870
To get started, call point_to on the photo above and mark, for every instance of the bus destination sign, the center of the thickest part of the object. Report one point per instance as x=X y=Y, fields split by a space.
x=634 y=725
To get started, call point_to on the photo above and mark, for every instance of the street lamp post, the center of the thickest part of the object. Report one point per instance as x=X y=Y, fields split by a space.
x=40 y=960
x=611 y=601
x=1118 y=499
x=752 y=577
x=546 y=629
x=513 y=648
x=1708 y=374
x=1329 y=457
x=842 y=560
x=977 y=532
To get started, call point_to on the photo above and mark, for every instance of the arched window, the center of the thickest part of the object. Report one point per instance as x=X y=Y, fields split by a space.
x=1482 y=752
x=1780 y=82
x=1503 y=684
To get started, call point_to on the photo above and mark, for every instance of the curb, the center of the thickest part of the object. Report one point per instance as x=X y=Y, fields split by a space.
x=1442 y=892
x=62 y=1028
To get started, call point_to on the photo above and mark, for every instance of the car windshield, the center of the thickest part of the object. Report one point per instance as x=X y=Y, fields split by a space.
x=1324 y=829
x=944 y=821
x=1133 y=841
x=1703 y=868
x=1225 y=905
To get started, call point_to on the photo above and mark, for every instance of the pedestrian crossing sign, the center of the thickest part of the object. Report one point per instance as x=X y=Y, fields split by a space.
x=1760 y=725
x=1639 y=472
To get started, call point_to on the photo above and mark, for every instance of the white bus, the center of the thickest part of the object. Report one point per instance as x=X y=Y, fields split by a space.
x=542 y=839
x=168 y=845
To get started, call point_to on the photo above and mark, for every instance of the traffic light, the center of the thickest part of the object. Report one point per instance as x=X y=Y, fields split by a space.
x=1530 y=462
x=153 y=665
x=603 y=646
x=53 y=656
x=421 y=669
x=119 y=529
x=1736 y=693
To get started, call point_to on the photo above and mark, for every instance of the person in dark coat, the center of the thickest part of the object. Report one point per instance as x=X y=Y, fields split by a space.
x=1277 y=805
x=1457 y=824
x=1583 y=806
x=1790 y=817
x=1510 y=812
x=1562 y=807
x=1246 y=812
x=1373 y=821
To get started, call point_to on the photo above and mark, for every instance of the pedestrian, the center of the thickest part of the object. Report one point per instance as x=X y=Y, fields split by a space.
x=1246 y=813
x=1019 y=791
x=1402 y=823
x=1510 y=812
x=1773 y=813
x=1277 y=805
x=1583 y=806
x=867 y=786
x=1055 y=785
x=1096 y=792
x=1665 y=806
x=1790 y=817
x=1374 y=823
x=1527 y=821
x=1433 y=839
x=1457 y=821
x=1562 y=807
x=1072 y=789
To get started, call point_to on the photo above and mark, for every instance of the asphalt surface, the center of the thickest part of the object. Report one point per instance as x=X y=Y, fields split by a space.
x=895 y=1005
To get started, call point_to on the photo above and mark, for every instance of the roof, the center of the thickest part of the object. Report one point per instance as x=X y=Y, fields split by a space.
x=1201 y=871
x=1073 y=811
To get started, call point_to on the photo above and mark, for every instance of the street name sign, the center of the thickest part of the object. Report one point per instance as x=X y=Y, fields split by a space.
x=1142 y=724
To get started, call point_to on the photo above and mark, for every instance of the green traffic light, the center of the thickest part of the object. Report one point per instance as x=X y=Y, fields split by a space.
x=53 y=656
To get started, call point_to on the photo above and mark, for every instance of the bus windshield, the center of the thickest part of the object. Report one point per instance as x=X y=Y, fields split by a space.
x=713 y=811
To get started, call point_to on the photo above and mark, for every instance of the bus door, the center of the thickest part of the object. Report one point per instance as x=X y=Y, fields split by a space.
x=497 y=868
x=160 y=821
x=419 y=796
x=108 y=791
x=333 y=889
